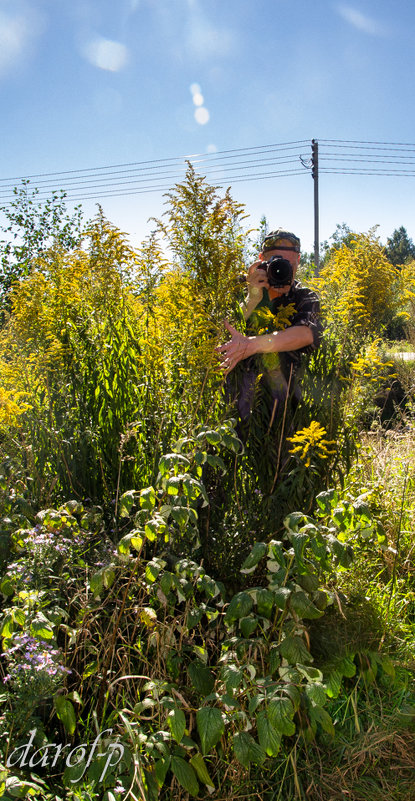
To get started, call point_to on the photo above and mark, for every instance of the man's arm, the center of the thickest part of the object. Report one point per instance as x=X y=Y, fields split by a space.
x=257 y=282
x=241 y=347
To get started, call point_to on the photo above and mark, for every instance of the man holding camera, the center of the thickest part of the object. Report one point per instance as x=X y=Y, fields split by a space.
x=271 y=284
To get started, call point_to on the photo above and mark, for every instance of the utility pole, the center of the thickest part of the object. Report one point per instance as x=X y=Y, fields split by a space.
x=314 y=173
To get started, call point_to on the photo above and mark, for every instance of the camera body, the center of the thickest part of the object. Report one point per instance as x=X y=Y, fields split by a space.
x=279 y=271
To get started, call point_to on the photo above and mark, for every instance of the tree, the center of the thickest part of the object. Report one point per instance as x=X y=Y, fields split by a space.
x=32 y=230
x=399 y=247
x=360 y=290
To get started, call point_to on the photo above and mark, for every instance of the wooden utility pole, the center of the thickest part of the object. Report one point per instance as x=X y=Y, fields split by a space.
x=314 y=172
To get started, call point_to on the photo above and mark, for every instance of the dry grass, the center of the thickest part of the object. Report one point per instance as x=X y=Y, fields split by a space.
x=378 y=766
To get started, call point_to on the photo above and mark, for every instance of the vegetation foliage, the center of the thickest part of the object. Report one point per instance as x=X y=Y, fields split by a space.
x=236 y=618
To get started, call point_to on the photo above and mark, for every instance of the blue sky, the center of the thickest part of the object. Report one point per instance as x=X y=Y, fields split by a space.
x=91 y=83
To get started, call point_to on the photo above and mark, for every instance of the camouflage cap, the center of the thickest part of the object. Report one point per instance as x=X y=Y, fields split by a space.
x=271 y=241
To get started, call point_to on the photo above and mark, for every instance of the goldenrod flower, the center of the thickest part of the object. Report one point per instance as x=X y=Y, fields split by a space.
x=310 y=441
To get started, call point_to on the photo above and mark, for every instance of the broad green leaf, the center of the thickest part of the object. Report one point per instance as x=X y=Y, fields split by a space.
x=281 y=597
x=326 y=500
x=321 y=716
x=265 y=602
x=280 y=713
x=177 y=723
x=269 y=738
x=41 y=630
x=294 y=650
x=185 y=774
x=126 y=503
x=198 y=763
x=316 y=692
x=334 y=683
x=248 y=625
x=148 y=498
x=347 y=666
x=309 y=582
x=216 y=461
x=7 y=626
x=310 y=673
x=294 y=520
x=210 y=726
x=240 y=606
x=232 y=676
x=247 y=750
x=202 y=678
x=303 y=607
x=276 y=552
x=213 y=437
x=161 y=767
x=258 y=551
x=180 y=514
x=6 y=587
x=65 y=712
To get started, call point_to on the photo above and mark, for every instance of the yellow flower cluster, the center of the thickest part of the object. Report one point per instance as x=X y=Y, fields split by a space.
x=310 y=441
x=370 y=364
x=263 y=321
x=11 y=407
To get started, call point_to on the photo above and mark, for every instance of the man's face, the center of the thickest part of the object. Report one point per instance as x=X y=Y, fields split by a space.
x=291 y=256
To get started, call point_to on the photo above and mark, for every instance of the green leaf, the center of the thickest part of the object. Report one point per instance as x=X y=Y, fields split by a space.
x=280 y=714
x=127 y=501
x=161 y=767
x=276 y=552
x=202 y=678
x=210 y=726
x=148 y=498
x=216 y=461
x=334 y=683
x=316 y=692
x=41 y=630
x=327 y=500
x=177 y=723
x=6 y=587
x=65 y=712
x=247 y=750
x=180 y=514
x=265 y=603
x=303 y=607
x=232 y=676
x=310 y=673
x=248 y=625
x=294 y=650
x=257 y=553
x=309 y=582
x=281 y=597
x=198 y=763
x=240 y=606
x=269 y=738
x=321 y=716
x=185 y=774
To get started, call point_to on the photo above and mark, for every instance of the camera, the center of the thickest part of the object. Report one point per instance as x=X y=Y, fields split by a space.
x=279 y=271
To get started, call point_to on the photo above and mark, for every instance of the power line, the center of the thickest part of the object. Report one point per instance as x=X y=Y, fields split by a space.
x=259 y=163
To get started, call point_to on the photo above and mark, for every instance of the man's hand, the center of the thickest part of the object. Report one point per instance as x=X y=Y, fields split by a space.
x=256 y=279
x=238 y=348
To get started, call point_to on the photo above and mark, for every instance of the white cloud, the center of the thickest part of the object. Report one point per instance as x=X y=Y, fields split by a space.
x=106 y=54
x=361 y=21
x=18 y=30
